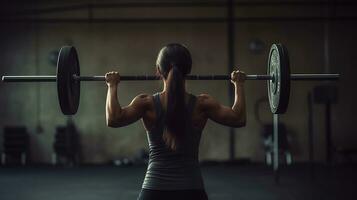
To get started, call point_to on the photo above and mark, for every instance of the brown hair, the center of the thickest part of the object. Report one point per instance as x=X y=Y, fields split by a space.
x=174 y=62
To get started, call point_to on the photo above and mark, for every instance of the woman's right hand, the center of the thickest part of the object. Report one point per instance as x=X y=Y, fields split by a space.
x=238 y=77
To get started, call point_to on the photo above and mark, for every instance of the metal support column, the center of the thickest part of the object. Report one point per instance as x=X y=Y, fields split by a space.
x=276 y=147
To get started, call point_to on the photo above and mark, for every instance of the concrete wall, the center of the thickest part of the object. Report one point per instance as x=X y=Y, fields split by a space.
x=131 y=48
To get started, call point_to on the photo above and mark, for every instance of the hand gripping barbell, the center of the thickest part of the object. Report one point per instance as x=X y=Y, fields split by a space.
x=68 y=79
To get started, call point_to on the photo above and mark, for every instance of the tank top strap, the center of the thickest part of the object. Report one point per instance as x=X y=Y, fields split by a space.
x=158 y=107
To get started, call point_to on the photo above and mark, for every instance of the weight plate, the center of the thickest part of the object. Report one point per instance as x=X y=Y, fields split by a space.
x=68 y=89
x=279 y=86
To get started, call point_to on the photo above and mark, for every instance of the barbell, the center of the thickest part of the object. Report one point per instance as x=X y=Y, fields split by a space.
x=68 y=79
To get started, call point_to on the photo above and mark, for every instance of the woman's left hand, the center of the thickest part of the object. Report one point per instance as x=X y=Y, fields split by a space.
x=112 y=78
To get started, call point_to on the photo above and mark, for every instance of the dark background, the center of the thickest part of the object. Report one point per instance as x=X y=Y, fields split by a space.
x=126 y=36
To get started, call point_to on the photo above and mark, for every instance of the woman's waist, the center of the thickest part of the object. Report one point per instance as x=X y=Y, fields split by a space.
x=170 y=177
x=169 y=163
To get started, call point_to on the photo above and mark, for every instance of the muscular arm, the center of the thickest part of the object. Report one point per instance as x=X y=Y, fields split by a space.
x=116 y=116
x=234 y=116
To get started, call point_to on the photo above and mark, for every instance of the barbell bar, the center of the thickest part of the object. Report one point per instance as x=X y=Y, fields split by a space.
x=68 y=79
x=316 y=77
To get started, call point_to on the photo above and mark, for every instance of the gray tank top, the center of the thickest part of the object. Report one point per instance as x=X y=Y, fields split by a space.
x=168 y=169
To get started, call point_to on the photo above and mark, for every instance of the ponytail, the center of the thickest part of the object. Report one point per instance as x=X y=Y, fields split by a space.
x=174 y=63
x=175 y=109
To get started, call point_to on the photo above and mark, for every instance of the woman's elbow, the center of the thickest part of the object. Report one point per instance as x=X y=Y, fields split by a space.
x=112 y=119
x=111 y=122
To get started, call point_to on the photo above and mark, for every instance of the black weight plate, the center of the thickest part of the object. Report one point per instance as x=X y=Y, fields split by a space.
x=279 y=87
x=68 y=89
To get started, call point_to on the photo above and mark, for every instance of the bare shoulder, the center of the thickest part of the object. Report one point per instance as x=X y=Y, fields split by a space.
x=143 y=99
x=205 y=101
x=144 y=96
x=205 y=98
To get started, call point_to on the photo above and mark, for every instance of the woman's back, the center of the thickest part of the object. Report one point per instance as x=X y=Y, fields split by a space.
x=173 y=169
x=174 y=133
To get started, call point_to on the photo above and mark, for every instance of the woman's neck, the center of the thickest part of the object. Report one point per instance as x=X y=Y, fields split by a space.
x=165 y=86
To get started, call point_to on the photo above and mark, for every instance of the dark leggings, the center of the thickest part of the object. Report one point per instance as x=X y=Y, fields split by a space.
x=147 y=194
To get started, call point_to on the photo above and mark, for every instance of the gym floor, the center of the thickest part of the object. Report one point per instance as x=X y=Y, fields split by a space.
x=243 y=182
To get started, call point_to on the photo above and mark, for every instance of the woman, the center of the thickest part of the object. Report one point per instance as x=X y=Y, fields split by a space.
x=174 y=120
